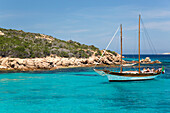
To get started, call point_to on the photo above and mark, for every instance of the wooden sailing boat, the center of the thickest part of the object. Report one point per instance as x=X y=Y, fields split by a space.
x=128 y=75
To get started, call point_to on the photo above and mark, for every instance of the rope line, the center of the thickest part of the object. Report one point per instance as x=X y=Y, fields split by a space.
x=148 y=37
x=107 y=46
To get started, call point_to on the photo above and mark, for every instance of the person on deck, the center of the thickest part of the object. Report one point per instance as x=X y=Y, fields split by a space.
x=152 y=70
x=148 y=70
x=158 y=70
x=144 y=70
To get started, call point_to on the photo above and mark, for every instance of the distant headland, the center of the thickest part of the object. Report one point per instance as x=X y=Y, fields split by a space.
x=166 y=53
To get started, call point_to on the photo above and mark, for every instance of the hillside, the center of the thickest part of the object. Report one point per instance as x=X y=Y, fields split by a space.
x=20 y=44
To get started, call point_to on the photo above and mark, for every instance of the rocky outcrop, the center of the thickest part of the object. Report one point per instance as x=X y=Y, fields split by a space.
x=42 y=36
x=147 y=60
x=1 y=33
x=55 y=62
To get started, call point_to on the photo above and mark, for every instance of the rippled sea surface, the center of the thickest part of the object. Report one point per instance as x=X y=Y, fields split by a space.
x=82 y=90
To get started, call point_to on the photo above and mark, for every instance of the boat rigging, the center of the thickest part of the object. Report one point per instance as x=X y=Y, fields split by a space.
x=128 y=75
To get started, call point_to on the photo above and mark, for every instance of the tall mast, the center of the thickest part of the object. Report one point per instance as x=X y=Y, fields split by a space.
x=139 y=43
x=121 y=47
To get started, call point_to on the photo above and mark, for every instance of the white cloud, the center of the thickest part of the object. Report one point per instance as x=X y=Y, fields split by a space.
x=117 y=12
x=163 y=26
x=72 y=31
x=6 y=15
x=155 y=14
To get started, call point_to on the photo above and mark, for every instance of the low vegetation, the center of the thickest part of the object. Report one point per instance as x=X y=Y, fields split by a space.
x=17 y=43
x=113 y=52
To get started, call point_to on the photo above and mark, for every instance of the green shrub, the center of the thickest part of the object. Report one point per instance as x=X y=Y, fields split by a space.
x=17 y=43
x=113 y=52
x=20 y=49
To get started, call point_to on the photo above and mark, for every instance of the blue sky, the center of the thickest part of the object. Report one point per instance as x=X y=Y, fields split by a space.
x=92 y=22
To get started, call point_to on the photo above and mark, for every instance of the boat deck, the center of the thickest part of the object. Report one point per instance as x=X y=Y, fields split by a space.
x=130 y=73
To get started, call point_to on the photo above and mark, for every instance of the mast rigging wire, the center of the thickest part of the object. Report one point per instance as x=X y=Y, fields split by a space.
x=107 y=46
x=148 y=37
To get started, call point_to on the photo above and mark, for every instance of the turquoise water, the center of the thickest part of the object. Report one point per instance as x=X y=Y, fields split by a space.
x=82 y=90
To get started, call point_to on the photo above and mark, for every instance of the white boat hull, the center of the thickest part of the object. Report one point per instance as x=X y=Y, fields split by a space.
x=113 y=78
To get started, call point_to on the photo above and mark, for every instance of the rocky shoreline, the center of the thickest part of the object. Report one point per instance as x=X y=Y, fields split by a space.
x=54 y=62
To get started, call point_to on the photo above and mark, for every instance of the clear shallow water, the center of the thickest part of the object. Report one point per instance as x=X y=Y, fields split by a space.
x=82 y=90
